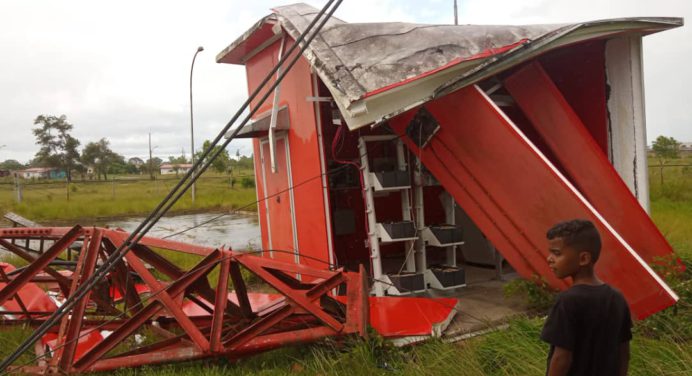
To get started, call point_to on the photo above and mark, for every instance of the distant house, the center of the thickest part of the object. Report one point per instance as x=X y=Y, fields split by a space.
x=686 y=147
x=42 y=173
x=4 y=173
x=170 y=168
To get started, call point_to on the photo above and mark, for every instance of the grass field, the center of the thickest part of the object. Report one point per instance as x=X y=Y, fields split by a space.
x=662 y=344
x=48 y=201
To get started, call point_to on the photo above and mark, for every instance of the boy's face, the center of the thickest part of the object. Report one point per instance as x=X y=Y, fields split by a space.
x=563 y=260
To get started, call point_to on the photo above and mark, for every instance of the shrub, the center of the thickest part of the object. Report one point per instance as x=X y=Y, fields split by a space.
x=247 y=182
x=536 y=292
x=673 y=323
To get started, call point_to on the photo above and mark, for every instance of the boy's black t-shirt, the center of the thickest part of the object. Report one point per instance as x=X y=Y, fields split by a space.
x=592 y=322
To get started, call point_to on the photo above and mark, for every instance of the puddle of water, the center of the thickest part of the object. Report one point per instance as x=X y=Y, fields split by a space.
x=237 y=231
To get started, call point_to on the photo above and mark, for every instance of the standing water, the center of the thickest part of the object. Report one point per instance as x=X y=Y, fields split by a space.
x=236 y=231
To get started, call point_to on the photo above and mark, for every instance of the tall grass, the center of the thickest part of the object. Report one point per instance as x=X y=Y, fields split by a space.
x=47 y=201
x=662 y=344
x=516 y=351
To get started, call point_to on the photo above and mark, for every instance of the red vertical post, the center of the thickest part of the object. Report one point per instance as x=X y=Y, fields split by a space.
x=220 y=303
x=88 y=263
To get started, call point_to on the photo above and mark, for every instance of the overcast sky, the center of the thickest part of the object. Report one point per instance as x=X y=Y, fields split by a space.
x=120 y=69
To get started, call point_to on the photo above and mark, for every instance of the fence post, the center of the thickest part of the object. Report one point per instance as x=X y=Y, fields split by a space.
x=113 y=188
x=18 y=188
x=660 y=163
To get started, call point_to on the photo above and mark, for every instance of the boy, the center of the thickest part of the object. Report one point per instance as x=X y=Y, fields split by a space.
x=589 y=327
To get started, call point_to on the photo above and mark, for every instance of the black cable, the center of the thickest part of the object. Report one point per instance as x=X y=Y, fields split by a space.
x=192 y=174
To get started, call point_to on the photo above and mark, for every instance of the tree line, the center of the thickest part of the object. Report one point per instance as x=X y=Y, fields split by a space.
x=59 y=149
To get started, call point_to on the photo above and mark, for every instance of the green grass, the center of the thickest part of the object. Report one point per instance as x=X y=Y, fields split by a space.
x=662 y=344
x=47 y=201
x=671 y=202
x=516 y=351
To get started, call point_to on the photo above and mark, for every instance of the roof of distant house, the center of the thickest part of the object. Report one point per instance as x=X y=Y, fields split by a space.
x=178 y=165
x=39 y=169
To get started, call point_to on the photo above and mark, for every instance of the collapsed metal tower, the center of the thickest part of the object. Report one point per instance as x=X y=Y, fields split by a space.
x=153 y=309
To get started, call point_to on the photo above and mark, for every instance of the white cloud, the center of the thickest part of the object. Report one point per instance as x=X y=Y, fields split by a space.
x=119 y=69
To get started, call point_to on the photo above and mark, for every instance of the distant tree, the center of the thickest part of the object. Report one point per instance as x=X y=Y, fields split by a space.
x=246 y=163
x=222 y=161
x=102 y=158
x=151 y=166
x=666 y=147
x=120 y=167
x=137 y=161
x=11 y=164
x=177 y=160
x=57 y=147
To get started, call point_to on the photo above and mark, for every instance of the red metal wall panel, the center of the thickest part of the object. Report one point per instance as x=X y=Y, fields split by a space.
x=590 y=171
x=304 y=160
x=514 y=194
x=278 y=202
x=579 y=72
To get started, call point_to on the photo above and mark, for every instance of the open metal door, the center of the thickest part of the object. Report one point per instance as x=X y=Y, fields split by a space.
x=514 y=193
x=585 y=163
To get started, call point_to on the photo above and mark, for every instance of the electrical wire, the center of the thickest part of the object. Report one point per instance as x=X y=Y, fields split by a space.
x=176 y=193
x=339 y=138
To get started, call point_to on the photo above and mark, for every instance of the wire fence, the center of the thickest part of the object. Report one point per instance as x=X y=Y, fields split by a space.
x=120 y=187
x=674 y=170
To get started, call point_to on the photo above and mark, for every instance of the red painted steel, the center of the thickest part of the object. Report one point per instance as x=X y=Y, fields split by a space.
x=278 y=204
x=182 y=314
x=578 y=71
x=588 y=167
x=33 y=298
x=514 y=194
x=310 y=225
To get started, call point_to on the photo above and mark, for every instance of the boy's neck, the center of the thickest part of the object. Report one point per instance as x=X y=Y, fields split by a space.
x=586 y=276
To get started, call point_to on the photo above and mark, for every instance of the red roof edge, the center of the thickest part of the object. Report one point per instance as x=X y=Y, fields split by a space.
x=258 y=34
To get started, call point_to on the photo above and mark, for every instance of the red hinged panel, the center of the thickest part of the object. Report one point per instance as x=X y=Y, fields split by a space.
x=514 y=194
x=581 y=157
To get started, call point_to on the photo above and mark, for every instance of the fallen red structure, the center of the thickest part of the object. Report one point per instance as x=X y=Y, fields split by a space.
x=151 y=295
x=442 y=147
x=167 y=301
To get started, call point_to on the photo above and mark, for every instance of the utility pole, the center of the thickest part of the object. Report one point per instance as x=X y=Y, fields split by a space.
x=151 y=168
x=18 y=187
x=192 y=129
x=456 y=18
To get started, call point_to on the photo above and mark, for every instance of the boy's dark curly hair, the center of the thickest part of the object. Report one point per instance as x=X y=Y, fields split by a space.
x=578 y=234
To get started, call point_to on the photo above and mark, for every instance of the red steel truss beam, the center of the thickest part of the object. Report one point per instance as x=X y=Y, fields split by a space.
x=39 y=264
x=73 y=322
x=211 y=322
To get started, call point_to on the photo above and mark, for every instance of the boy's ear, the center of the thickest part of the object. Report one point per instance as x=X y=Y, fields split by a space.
x=584 y=258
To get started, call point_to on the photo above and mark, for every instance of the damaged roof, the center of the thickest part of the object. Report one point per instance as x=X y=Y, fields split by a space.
x=378 y=70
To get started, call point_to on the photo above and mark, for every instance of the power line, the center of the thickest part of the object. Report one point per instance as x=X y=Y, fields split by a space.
x=177 y=192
